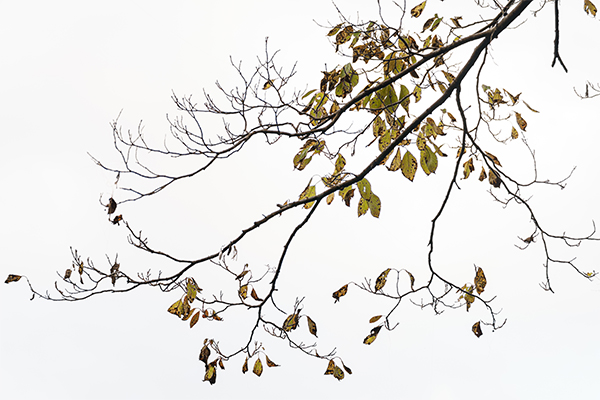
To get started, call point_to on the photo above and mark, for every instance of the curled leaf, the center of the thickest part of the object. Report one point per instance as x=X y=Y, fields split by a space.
x=372 y=336
x=480 y=281
x=245 y=366
x=211 y=374
x=270 y=363
x=330 y=368
x=312 y=327
x=382 y=279
x=12 y=278
x=291 y=322
x=416 y=11
x=112 y=206
x=339 y=293
x=477 y=329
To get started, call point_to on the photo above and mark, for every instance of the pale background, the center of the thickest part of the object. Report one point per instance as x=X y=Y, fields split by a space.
x=69 y=68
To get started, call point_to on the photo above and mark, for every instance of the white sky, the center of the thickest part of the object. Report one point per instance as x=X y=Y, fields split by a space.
x=69 y=68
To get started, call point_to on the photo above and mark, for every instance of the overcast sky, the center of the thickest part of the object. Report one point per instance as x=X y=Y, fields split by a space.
x=70 y=68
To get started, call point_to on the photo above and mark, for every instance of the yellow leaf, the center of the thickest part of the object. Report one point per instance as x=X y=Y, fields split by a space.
x=194 y=319
x=416 y=11
x=330 y=198
x=375 y=319
x=245 y=366
x=270 y=363
x=342 y=292
x=522 y=123
x=310 y=191
x=258 y=368
x=192 y=289
x=482 y=175
x=372 y=336
x=176 y=308
x=449 y=77
x=330 y=368
x=346 y=194
x=12 y=278
x=480 y=281
x=468 y=167
x=211 y=374
x=334 y=30
x=514 y=133
x=268 y=84
x=429 y=160
x=363 y=206
x=312 y=327
x=417 y=92
x=243 y=292
x=477 y=329
x=494 y=179
x=291 y=322
x=338 y=373
x=382 y=279
x=494 y=159
x=513 y=98
x=409 y=166
x=589 y=7
x=395 y=165
x=452 y=117
x=374 y=204
x=340 y=163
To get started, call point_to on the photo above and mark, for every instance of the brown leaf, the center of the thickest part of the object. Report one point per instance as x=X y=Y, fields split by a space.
x=522 y=123
x=12 y=278
x=204 y=354
x=258 y=368
x=270 y=363
x=245 y=366
x=382 y=279
x=477 y=329
x=338 y=373
x=375 y=319
x=494 y=179
x=482 y=175
x=312 y=327
x=372 y=336
x=494 y=159
x=342 y=292
x=480 y=281
x=67 y=274
x=211 y=374
x=291 y=322
x=254 y=295
x=112 y=206
x=194 y=319
x=330 y=368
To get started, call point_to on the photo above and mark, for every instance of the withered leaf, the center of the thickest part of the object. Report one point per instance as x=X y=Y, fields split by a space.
x=12 y=278
x=382 y=279
x=211 y=374
x=291 y=322
x=112 y=206
x=339 y=293
x=204 y=354
x=254 y=295
x=338 y=373
x=312 y=327
x=372 y=336
x=270 y=363
x=480 y=281
x=477 y=329
x=245 y=366
x=493 y=158
x=375 y=319
x=67 y=274
x=258 y=367
x=494 y=179
x=330 y=368
x=194 y=319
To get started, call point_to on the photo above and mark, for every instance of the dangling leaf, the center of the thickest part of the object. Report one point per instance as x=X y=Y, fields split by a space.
x=346 y=194
x=245 y=366
x=412 y=280
x=340 y=163
x=522 y=123
x=270 y=363
x=513 y=98
x=330 y=198
x=404 y=95
x=396 y=161
x=374 y=204
x=417 y=93
x=416 y=11
x=480 y=281
x=291 y=322
x=12 y=278
x=221 y=365
x=330 y=368
x=312 y=327
x=338 y=373
x=241 y=275
x=409 y=166
x=589 y=7
x=309 y=192
x=528 y=106
x=342 y=292
x=176 y=308
x=243 y=292
x=254 y=295
x=194 y=319
x=381 y=280
x=204 y=354
x=348 y=370
x=211 y=374
x=372 y=336
x=67 y=274
x=494 y=159
x=494 y=179
x=375 y=319
x=267 y=84
x=514 y=133
x=112 y=206
x=468 y=167
x=477 y=329
x=429 y=160
x=334 y=30
x=482 y=175
x=363 y=206
x=258 y=368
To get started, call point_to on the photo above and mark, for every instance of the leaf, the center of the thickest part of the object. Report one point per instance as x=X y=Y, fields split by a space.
x=449 y=77
x=485 y=88
x=312 y=327
x=12 y=278
x=191 y=286
x=291 y=322
x=241 y=275
x=330 y=368
x=589 y=7
x=412 y=280
x=382 y=279
x=477 y=329
x=117 y=219
x=427 y=24
x=513 y=98
x=67 y=274
x=451 y=117
x=211 y=374
x=270 y=363
x=334 y=30
x=204 y=354
x=176 y=308
x=456 y=22
x=429 y=160
x=243 y=292
x=409 y=166
x=348 y=370
x=340 y=163
x=255 y=296
x=310 y=191
x=396 y=161
x=514 y=133
x=375 y=319
x=372 y=336
x=404 y=95
x=494 y=179
x=482 y=175
x=112 y=206
x=528 y=106
x=330 y=198
x=364 y=188
x=522 y=123
x=194 y=319
x=374 y=204
x=258 y=368
x=267 y=84
x=221 y=363
x=309 y=93
x=416 y=11
x=480 y=281
x=494 y=159
x=468 y=167
x=363 y=207
x=245 y=366
x=436 y=23
x=342 y=292
x=417 y=93
x=346 y=194
x=338 y=373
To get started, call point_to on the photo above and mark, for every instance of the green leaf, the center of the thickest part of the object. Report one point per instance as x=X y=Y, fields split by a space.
x=374 y=205
x=404 y=93
x=429 y=160
x=396 y=161
x=363 y=206
x=364 y=188
x=409 y=166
